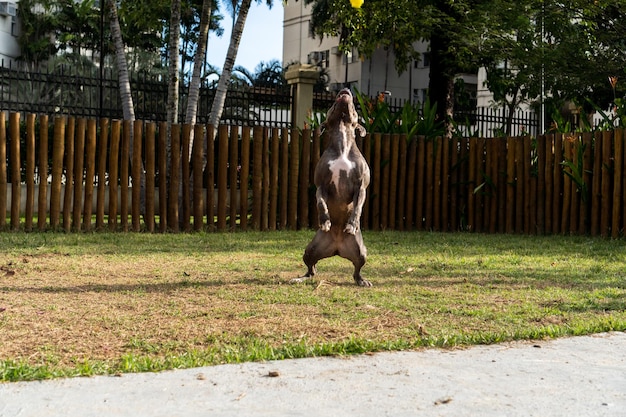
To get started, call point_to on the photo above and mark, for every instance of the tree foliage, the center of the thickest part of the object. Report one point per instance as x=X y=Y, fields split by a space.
x=563 y=49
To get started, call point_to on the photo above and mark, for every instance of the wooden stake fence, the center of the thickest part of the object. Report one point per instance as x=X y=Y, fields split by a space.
x=114 y=175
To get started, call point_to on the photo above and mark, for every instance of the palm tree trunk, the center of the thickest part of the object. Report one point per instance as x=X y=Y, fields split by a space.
x=173 y=73
x=128 y=107
x=194 y=86
x=220 y=95
x=122 y=68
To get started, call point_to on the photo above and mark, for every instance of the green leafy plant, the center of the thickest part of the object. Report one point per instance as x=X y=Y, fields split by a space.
x=376 y=114
x=575 y=167
x=411 y=120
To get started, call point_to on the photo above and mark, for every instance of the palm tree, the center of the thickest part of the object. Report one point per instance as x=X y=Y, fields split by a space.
x=122 y=68
x=194 y=85
x=269 y=74
x=222 y=86
x=173 y=73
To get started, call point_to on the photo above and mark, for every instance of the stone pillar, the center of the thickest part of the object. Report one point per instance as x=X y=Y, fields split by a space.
x=302 y=78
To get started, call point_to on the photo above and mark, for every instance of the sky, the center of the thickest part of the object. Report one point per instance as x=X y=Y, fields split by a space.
x=262 y=38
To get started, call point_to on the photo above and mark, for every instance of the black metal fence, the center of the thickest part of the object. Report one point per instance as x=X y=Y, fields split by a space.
x=87 y=92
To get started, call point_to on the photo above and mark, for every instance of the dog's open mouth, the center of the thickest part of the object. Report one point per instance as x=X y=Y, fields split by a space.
x=344 y=94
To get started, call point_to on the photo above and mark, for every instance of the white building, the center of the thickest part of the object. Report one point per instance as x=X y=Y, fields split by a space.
x=9 y=48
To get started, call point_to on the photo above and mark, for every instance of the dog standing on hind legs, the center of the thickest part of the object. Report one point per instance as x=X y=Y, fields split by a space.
x=341 y=177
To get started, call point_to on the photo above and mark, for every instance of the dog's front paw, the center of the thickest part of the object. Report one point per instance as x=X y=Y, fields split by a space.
x=325 y=227
x=351 y=229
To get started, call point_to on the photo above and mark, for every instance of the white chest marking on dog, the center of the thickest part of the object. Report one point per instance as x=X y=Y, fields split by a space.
x=340 y=164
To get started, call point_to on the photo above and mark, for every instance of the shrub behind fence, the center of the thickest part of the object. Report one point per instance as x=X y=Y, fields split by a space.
x=260 y=178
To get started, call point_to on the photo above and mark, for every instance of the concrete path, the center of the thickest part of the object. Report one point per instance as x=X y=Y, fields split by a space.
x=582 y=376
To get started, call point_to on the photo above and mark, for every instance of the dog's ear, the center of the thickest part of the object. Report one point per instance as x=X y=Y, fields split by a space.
x=361 y=130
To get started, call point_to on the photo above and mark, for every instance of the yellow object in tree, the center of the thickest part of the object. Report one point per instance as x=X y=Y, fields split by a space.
x=356 y=3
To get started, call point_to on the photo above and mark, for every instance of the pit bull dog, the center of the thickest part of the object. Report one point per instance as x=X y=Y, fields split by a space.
x=341 y=177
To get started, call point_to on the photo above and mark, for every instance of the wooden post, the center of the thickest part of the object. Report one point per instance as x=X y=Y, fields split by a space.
x=294 y=171
x=623 y=181
x=557 y=178
x=210 y=176
x=58 y=150
x=502 y=183
x=186 y=172
x=376 y=182
x=583 y=224
x=265 y=196
x=69 y=173
x=473 y=183
x=510 y=189
x=172 y=206
x=136 y=167
x=79 y=164
x=114 y=172
x=222 y=176
x=245 y=178
x=197 y=155
x=124 y=174
x=402 y=174
x=549 y=174
x=393 y=178
x=454 y=184
x=605 y=202
x=257 y=174
x=274 y=170
x=530 y=183
x=521 y=182
x=90 y=168
x=3 y=170
x=596 y=191
x=30 y=171
x=305 y=180
x=42 y=204
x=567 y=187
x=491 y=160
x=103 y=145
x=16 y=175
x=445 y=183
x=162 y=162
x=617 y=182
x=150 y=175
x=410 y=185
x=284 y=178
x=385 y=181
x=233 y=175
x=540 y=200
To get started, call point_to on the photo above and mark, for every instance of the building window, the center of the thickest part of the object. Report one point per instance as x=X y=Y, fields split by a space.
x=14 y=27
x=426 y=59
x=419 y=95
x=311 y=31
x=319 y=58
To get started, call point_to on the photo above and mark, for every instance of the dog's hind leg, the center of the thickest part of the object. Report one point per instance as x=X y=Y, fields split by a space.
x=354 y=250
x=322 y=246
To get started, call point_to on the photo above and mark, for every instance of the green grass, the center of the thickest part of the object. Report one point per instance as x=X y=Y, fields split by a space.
x=226 y=298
